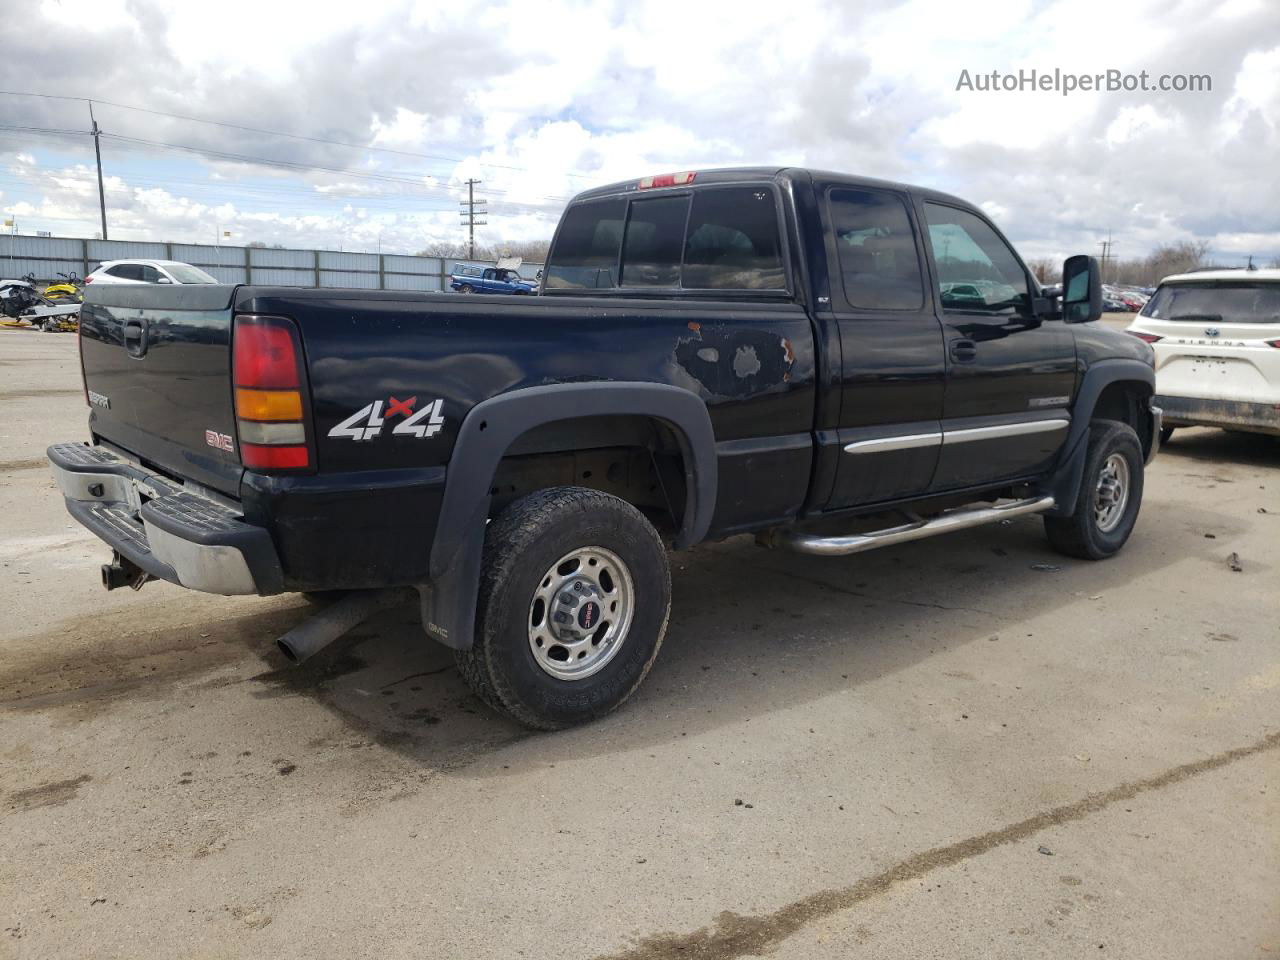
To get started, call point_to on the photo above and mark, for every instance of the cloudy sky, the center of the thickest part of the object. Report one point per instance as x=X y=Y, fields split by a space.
x=391 y=105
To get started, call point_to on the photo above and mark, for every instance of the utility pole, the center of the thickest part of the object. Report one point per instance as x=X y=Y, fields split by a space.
x=474 y=209
x=1106 y=253
x=97 y=152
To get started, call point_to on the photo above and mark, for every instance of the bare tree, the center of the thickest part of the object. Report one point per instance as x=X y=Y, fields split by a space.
x=1045 y=269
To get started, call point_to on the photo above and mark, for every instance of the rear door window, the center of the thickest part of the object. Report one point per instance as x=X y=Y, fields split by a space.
x=733 y=241
x=652 y=243
x=150 y=274
x=126 y=271
x=587 y=246
x=879 y=264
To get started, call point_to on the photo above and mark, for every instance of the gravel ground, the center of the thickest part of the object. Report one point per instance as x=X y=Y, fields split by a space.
x=944 y=749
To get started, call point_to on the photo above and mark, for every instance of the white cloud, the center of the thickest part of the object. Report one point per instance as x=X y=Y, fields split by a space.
x=540 y=102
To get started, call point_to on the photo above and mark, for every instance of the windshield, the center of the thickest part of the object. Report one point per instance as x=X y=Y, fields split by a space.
x=185 y=273
x=1216 y=303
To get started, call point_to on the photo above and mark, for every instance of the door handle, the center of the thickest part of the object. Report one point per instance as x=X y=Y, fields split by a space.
x=135 y=337
x=964 y=351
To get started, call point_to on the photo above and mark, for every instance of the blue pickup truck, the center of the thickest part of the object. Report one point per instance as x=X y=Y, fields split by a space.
x=467 y=278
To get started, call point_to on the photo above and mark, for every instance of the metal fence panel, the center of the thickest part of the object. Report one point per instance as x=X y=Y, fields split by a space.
x=329 y=260
x=266 y=257
x=410 y=281
x=282 y=277
x=47 y=256
x=67 y=249
x=15 y=268
x=336 y=278
x=227 y=274
x=203 y=253
x=394 y=263
x=126 y=250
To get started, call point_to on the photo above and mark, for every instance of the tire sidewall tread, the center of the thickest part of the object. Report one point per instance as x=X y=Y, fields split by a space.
x=520 y=545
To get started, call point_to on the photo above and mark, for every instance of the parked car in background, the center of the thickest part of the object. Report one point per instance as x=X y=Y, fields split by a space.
x=467 y=278
x=148 y=271
x=1216 y=336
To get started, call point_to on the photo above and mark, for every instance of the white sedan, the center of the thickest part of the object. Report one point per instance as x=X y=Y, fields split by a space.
x=1216 y=336
x=148 y=271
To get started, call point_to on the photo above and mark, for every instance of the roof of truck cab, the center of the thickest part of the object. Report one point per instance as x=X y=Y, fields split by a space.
x=739 y=174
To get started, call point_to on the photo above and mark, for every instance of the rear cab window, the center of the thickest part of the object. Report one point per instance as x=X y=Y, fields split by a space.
x=876 y=248
x=1216 y=302
x=717 y=237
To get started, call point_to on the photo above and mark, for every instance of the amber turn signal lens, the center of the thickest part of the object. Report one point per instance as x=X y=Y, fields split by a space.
x=268 y=404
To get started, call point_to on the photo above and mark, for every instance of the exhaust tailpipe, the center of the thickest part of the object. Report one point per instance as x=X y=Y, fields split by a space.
x=315 y=633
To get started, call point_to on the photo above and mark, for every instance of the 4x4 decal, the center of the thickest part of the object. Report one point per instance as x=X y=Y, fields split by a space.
x=367 y=422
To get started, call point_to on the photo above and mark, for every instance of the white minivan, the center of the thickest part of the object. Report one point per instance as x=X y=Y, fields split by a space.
x=148 y=271
x=1216 y=335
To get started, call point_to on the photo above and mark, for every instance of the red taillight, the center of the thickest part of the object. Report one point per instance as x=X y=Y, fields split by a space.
x=268 y=377
x=1273 y=343
x=265 y=356
x=88 y=279
x=261 y=457
x=1148 y=337
x=667 y=180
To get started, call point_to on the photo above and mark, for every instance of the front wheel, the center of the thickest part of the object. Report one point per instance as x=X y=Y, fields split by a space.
x=1106 y=507
x=575 y=592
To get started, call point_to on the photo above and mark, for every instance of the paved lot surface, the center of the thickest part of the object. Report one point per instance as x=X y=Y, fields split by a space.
x=941 y=750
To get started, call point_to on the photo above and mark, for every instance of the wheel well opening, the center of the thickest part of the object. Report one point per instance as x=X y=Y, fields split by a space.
x=636 y=458
x=1129 y=402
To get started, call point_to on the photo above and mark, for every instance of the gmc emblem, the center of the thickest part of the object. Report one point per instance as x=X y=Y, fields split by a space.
x=219 y=441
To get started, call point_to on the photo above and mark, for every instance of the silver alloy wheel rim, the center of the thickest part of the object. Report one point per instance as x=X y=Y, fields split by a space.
x=1112 y=494
x=580 y=613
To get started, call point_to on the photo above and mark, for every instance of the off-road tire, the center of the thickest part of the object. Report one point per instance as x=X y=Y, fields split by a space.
x=1079 y=535
x=523 y=542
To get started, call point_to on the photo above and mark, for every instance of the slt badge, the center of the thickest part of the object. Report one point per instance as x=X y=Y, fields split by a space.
x=366 y=423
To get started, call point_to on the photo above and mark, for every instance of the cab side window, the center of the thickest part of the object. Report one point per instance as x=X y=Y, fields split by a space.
x=977 y=272
x=879 y=264
x=733 y=241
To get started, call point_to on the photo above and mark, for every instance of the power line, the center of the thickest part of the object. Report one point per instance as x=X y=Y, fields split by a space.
x=291 y=136
x=292 y=164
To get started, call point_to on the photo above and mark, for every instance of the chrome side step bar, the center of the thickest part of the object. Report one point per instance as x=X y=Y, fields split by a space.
x=960 y=518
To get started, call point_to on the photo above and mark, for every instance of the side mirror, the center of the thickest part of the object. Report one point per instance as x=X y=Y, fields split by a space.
x=1081 y=289
x=164 y=280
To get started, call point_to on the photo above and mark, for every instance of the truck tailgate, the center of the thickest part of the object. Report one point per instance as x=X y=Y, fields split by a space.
x=157 y=365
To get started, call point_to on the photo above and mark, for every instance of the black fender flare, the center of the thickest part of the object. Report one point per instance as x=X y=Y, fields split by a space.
x=485 y=435
x=1065 y=484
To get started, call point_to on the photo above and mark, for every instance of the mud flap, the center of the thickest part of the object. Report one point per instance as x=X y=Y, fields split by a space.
x=449 y=601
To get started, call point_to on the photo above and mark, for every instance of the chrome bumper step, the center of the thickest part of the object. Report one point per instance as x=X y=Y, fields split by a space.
x=960 y=518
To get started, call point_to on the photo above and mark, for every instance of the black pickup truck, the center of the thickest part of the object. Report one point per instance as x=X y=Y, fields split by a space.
x=829 y=362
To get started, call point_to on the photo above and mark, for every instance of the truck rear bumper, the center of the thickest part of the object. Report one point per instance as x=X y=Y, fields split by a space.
x=170 y=532
x=1231 y=414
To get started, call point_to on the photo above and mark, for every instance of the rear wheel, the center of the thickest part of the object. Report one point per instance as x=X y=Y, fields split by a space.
x=466 y=288
x=575 y=592
x=1110 y=494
